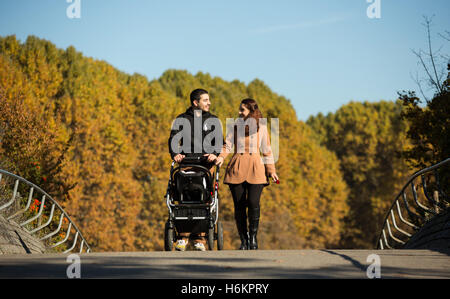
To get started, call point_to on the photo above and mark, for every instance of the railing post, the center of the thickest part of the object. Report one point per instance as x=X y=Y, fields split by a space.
x=436 y=201
x=416 y=219
x=35 y=228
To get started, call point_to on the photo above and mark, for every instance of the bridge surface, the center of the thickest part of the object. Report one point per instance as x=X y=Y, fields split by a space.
x=233 y=264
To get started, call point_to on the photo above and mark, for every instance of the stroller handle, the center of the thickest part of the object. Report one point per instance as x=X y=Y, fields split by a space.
x=193 y=159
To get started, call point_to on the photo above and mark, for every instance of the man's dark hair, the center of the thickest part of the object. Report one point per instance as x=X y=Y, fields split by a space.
x=196 y=94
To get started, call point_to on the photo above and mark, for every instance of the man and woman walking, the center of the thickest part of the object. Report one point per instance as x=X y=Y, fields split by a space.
x=246 y=174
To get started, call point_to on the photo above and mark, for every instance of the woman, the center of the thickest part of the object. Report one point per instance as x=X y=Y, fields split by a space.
x=246 y=174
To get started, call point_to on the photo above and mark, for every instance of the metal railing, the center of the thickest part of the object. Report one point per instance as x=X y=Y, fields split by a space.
x=411 y=208
x=31 y=219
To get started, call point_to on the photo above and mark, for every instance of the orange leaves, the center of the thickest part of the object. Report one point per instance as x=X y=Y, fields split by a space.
x=35 y=206
x=94 y=135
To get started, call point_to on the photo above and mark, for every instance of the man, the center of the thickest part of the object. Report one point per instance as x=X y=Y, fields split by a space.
x=198 y=126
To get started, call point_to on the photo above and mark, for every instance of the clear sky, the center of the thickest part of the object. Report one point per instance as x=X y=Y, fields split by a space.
x=319 y=54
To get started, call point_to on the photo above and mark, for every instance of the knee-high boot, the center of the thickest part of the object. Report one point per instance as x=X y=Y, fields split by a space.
x=241 y=224
x=253 y=217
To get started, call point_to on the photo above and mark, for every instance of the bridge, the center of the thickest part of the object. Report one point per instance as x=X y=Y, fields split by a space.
x=234 y=264
x=413 y=243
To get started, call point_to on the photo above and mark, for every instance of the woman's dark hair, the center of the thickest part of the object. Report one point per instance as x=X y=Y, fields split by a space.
x=196 y=94
x=255 y=113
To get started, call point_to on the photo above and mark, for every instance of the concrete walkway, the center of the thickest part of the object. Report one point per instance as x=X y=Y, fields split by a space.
x=261 y=264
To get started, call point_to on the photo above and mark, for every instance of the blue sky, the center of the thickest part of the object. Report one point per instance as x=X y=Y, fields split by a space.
x=319 y=54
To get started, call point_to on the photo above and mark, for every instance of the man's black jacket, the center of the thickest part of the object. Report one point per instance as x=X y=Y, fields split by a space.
x=206 y=129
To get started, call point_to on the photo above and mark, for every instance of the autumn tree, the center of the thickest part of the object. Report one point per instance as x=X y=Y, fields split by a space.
x=30 y=145
x=368 y=139
x=107 y=135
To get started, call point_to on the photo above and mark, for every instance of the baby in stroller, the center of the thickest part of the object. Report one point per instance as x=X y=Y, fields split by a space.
x=193 y=202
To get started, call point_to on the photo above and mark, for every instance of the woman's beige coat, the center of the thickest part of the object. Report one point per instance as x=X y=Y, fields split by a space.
x=246 y=163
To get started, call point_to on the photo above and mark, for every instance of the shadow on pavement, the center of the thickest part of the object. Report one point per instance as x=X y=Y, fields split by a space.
x=129 y=267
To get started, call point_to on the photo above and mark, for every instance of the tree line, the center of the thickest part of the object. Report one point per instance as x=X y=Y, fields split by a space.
x=95 y=138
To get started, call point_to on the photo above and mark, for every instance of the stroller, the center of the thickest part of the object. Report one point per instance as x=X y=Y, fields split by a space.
x=193 y=201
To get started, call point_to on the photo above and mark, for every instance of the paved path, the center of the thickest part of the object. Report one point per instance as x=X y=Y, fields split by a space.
x=261 y=264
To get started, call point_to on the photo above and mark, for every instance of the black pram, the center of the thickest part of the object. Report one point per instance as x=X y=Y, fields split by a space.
x=193 y=201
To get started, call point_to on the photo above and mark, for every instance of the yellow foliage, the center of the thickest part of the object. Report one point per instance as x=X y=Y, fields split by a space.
x=113 y=130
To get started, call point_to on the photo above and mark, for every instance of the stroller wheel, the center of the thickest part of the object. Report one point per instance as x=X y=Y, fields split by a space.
x=168 y=237
x=211 y=239
x=219 y=236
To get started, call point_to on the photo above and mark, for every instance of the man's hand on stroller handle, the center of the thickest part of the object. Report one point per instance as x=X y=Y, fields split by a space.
x=208 y=157
x=178 y=158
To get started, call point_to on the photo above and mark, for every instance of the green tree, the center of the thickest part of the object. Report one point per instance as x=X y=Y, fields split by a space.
x=429 y=119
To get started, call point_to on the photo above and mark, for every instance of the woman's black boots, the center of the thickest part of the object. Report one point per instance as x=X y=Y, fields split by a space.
x=241 y=223
x=244 y=241
x=253 y=217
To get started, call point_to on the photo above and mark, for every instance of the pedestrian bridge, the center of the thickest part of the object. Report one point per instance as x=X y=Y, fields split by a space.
x=417 y=223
